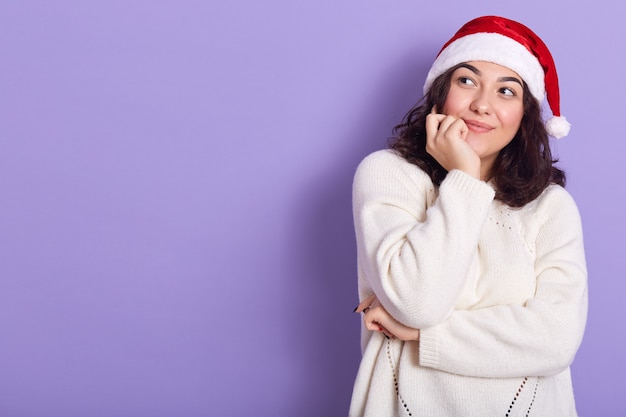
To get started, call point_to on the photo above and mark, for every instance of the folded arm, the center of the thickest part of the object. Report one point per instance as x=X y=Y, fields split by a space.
x=415 y=245
x=538 y=338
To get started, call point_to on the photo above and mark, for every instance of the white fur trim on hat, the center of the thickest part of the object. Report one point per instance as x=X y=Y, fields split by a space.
x=558 y=127
x=495 y=48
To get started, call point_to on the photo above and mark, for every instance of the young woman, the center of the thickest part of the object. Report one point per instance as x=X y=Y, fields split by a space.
x=471 y=265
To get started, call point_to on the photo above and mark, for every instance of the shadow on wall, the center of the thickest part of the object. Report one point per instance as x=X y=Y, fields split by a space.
x=326 y=291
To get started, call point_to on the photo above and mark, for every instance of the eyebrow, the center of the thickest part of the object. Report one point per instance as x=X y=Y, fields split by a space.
x=500 y=79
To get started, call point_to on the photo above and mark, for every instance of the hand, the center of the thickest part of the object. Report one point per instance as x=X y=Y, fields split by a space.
x=445 y=141
x=377 y=319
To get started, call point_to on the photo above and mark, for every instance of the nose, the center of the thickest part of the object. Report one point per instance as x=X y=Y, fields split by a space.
x=481 y=103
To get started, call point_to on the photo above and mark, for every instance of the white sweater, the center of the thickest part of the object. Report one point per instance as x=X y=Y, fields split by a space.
x=499 y=295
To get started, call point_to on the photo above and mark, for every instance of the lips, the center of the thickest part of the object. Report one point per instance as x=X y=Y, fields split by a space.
x=477 y=126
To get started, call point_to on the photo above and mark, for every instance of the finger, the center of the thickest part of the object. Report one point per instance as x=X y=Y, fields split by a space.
x=377 y=319
x=387 y=333
x=365 y=304
x=445 y=123
x=433 y=121
x=460 y=128
x=375 y=316
x=372 y=325
x=375 y=326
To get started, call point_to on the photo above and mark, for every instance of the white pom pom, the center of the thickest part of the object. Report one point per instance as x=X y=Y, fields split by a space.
x=558 y=127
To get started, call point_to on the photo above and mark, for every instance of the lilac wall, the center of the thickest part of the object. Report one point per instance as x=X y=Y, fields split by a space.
x=176 y=234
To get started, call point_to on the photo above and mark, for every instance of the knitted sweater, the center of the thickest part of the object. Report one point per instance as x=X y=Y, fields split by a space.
x=499 y=295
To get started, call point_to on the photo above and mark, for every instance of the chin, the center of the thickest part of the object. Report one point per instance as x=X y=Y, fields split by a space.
x=477 y=145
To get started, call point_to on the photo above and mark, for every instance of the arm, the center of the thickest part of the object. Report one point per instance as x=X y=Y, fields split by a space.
x=414 y=247
x=539 y=338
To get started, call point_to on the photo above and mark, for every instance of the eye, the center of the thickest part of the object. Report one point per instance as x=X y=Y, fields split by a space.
x=466 y=81
x=508 y=91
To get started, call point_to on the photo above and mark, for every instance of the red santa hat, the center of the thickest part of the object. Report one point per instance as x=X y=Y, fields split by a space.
x=512 y=45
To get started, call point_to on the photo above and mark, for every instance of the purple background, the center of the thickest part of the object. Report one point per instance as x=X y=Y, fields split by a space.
x=175 y=179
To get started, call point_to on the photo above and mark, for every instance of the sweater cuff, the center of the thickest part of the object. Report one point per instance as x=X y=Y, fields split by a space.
x=429 y=348
x=466 y=184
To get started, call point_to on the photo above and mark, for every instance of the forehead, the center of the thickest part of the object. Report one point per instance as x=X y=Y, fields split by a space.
x=490 y=69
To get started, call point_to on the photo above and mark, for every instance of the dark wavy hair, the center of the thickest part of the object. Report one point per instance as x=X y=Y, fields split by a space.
x=522 y=169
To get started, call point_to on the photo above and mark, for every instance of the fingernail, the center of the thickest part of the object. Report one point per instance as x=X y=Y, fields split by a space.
x=354 y=311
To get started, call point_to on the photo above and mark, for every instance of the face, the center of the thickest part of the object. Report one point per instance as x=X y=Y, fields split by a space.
x=489 y=98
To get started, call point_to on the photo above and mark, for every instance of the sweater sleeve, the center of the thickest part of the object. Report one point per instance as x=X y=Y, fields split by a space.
x=415 y=256
x=539 y=338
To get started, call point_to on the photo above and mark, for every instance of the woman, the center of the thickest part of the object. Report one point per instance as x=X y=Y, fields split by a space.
x=472 y=275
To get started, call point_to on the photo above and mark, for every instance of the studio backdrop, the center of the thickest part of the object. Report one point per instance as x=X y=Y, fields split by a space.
x=176 y=234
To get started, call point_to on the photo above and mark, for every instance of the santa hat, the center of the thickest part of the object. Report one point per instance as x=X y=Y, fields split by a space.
x=512 y=45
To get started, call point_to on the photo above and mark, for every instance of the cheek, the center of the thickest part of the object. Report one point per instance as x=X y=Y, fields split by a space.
x=452 y=103
x=512 y=118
